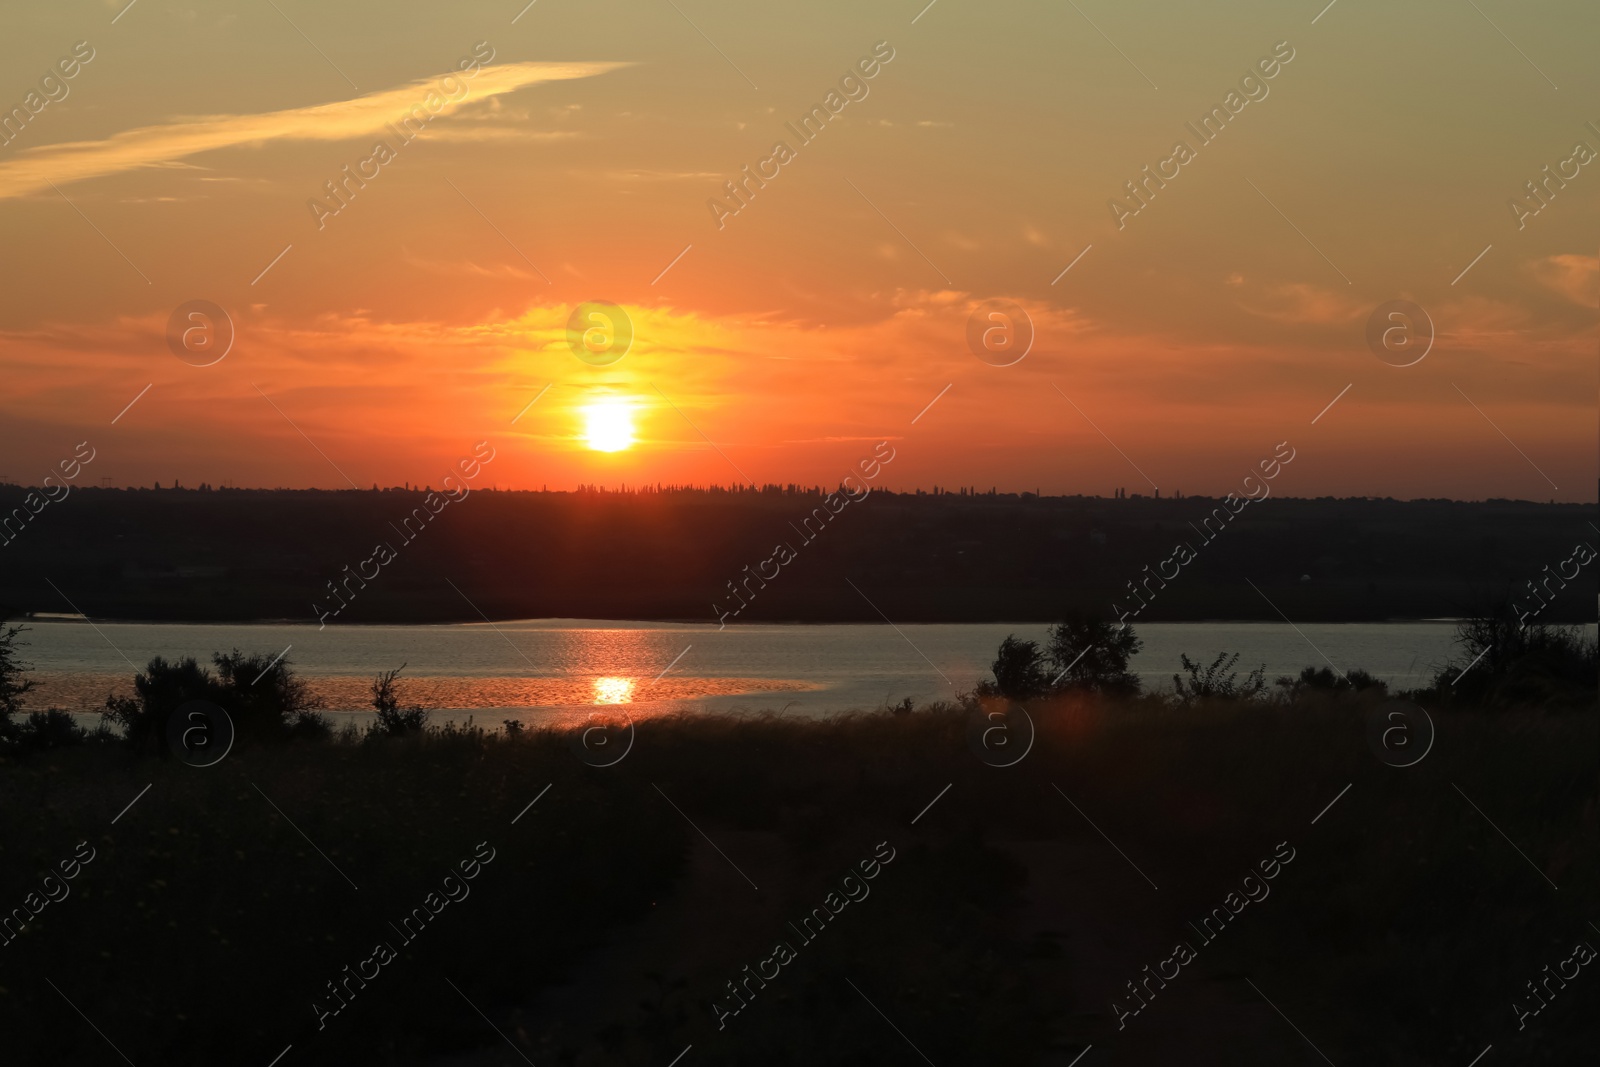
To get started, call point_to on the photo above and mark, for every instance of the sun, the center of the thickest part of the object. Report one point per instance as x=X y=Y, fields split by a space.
x=608 y=425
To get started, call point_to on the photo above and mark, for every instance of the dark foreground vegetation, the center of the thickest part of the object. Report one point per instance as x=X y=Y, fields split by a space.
x=230 y=554
x=212 y=911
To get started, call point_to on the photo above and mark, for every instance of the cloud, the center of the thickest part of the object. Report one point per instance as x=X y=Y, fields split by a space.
x=495 y=133
x=645 y=175
x=1298 y=303
x=1571 y=276
x=466 y=266
x=153 y=146
x=388 y=399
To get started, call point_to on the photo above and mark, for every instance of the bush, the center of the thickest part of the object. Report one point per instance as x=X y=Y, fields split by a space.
x=13 y=683
x=45 y=730
x=1089 y=654
x=1324 y=680
x=393 y=720
x=1084 y=655
x=1219 y=681
x=266 y=702
x=1506 y=663
x=1018 y=671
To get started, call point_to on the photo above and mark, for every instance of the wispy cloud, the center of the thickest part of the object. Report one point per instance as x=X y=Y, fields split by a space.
x=463 y=267
x=1298 y=303
x=1572 y=276
x=154 y=146
x=481 y=133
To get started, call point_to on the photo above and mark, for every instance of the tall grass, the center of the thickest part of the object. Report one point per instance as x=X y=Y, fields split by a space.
x=207 y=924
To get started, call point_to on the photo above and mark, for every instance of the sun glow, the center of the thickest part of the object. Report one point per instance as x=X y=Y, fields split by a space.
x=608 y=425
x=613 y=690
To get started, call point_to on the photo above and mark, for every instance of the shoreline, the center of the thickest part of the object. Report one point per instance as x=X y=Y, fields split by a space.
x=626 y=622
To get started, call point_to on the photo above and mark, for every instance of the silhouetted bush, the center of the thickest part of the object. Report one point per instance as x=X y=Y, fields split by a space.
x=41 y=730
x=1507 y=664
x=46 y=730
x=261 y=695
x=1084 y=655
x=1324 y=680
x=1219 y=681
x=1089 y=654
x=394 y=720
x=1019 y=672
x=14 y=684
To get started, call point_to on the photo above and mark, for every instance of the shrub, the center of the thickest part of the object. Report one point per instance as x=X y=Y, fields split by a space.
x=1018 y=671
x=14 y=684
x=1324 y=680
x=1089 y=654
x=1219 y=681
x=260 y=693
x=45 y=730
x=1506 y=663
x=1084 y=654
x=394 y=720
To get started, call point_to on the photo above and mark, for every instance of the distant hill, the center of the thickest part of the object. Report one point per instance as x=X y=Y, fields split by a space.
x=235 y=554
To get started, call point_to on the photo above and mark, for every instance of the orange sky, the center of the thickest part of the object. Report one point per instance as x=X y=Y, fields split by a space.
x=976 y=163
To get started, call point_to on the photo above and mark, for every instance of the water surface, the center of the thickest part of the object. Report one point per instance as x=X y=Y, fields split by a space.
x=537 y=670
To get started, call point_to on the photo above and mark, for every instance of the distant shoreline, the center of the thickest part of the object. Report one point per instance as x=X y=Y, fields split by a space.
x=194 y=556
x=623 y=623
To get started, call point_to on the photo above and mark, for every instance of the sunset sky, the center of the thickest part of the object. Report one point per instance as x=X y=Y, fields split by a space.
x=975 y=164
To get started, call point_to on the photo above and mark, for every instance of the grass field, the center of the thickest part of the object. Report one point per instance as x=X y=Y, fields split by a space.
x=606 y=926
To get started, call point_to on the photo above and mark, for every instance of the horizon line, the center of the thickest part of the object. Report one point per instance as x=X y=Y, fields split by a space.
x=795 y=489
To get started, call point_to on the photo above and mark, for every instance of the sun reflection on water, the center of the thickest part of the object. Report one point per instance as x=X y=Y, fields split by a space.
x=611 y=690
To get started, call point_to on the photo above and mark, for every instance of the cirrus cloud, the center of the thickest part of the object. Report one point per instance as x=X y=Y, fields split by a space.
x=150 y=146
